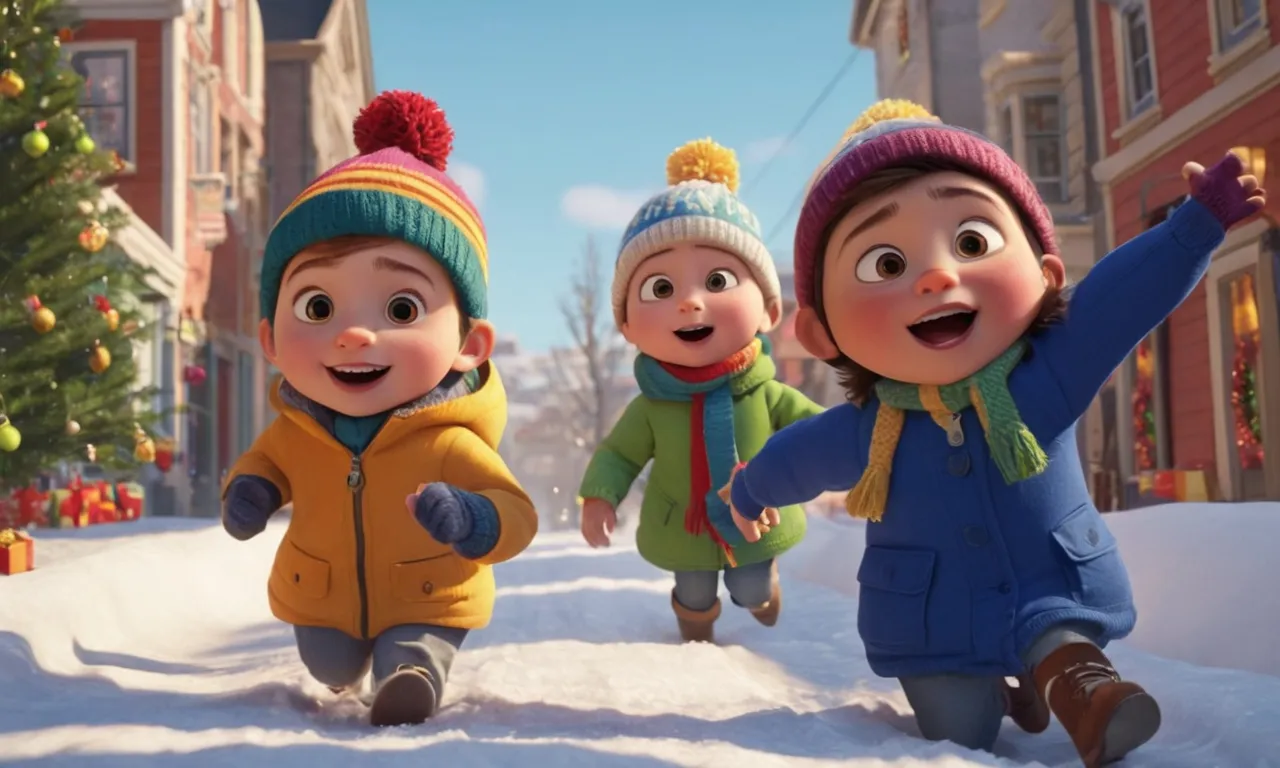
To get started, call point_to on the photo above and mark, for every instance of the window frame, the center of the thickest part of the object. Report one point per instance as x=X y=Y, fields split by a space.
x=201 y=119
x=1226 y=40
x=1023 y=134
x=128 y=51
x=1135 y=107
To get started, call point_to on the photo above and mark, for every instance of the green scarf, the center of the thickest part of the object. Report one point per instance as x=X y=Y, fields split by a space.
x=1013 y=448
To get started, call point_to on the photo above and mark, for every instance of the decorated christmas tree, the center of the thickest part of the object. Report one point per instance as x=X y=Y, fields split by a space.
x=68 y=384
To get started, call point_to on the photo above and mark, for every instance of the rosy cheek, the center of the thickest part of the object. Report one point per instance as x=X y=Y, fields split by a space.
x=1008 y=293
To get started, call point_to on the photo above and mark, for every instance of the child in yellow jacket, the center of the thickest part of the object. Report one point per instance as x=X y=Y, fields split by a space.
x=373 y=295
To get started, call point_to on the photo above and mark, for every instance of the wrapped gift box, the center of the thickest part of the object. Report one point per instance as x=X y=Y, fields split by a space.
x=69 y=507
x=32 y=507
x=17 y=552
x=129 y=499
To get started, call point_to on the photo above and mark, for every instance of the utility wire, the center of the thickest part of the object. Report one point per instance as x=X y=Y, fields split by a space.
x=809 y=113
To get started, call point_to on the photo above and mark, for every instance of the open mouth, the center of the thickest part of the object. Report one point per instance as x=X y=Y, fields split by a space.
x=358 y=375
x=944 y=328
x=695 y=333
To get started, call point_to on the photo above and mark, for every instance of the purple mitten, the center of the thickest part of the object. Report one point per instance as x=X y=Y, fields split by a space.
x=1219 y=190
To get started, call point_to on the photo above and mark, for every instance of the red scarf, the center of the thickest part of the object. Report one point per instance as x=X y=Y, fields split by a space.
x=696 y=521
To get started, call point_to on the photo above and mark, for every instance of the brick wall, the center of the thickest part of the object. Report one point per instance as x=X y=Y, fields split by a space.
x=143 y=188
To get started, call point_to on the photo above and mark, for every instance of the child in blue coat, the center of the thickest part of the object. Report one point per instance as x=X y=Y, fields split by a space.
x=927 y=273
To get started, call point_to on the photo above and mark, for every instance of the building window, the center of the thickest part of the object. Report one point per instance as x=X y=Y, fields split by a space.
x=1138 y=63
x=106 y=101
x=1237 y=19
x=1044 y=134
x=201 y=122
x=1246 y=387
x=1149 y=403
x=904 y=30
x=1006 y=129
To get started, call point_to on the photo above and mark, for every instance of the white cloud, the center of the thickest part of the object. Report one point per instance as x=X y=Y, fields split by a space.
x=601 y=207
x=471 y=179
x=760 y=151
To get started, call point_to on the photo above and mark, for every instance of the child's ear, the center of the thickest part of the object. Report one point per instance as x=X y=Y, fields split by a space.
x=476 y=347
x=267 y=339
x=1055 y=272
x=773 y=314
x=813 y=336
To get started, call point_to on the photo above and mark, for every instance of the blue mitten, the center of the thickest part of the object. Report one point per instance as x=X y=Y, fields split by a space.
x=466 y=521
x=248 y=505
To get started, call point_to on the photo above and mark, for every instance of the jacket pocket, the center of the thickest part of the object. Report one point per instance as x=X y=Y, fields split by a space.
x=659 y=504
x=302 y=574
x=893 y=604
x=431 y=580
x=1091 y=560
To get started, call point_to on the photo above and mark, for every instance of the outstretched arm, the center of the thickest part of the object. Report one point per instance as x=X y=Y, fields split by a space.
x=620 y=457
x=817 y=454
x=1135 y=287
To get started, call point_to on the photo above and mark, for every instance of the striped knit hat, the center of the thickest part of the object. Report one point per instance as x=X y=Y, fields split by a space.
x=699 y=206
x=396 y=187
x=889 y=133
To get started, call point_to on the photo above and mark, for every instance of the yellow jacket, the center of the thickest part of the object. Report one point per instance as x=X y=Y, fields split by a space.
x=354 y=558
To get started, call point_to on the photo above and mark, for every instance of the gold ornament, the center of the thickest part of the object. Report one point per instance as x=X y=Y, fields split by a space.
x=113 y=319
x=11 y=84
x=99 y=358
x=73 y=427
x=93 y=237
x=144 y=448
x=42 y=318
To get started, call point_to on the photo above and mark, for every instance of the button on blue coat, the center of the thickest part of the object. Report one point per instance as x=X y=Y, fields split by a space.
x=965 y=571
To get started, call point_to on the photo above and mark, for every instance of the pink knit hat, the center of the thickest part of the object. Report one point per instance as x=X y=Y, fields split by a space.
x=881 y=139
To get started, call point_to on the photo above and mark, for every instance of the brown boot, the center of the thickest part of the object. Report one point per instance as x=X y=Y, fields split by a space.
x=1025 y=706
x=407 y=697
x=767 y=614
x=696 y=626
x=1106 y=717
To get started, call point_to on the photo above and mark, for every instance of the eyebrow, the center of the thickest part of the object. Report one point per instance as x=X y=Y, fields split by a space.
x=391 y=265
x=880 y=216
x=948 y=193
x=318 y=263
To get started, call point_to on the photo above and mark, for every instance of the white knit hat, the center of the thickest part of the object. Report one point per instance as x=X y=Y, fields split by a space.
x=700 y=205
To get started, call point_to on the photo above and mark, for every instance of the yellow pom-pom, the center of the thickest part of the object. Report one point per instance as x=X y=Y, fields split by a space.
x=703 y=160
x=888 y=109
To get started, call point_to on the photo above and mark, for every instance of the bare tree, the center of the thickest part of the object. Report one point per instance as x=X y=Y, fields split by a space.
x=588 y=372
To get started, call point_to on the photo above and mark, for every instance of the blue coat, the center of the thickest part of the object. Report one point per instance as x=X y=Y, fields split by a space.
x=965 y=571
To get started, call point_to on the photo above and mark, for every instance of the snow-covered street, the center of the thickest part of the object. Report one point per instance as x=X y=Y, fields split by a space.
x=151 y=643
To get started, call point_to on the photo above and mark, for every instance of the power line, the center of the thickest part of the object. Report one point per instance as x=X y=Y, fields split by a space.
x=791 y=210
x=809 y=113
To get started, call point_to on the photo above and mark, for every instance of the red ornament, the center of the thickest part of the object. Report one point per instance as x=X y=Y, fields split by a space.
x=408 y=121
x=164 y=454
x=194 y=375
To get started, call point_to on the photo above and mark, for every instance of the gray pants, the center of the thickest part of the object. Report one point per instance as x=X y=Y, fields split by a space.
x=339 y=660
x=968 y=710
x=750 y=586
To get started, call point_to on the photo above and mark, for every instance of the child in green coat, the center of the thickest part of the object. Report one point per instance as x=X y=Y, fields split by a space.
x=693 y=289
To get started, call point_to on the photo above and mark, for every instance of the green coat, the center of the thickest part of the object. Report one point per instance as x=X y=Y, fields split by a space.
x=659 y=430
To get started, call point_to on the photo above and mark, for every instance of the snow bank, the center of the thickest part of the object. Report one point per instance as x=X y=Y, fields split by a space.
x=1206 y=578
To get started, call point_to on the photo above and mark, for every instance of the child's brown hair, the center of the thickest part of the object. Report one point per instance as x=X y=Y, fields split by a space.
x=859 y=382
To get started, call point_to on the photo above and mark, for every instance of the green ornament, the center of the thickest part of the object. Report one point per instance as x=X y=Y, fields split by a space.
x=35 y=143
x=85 y=145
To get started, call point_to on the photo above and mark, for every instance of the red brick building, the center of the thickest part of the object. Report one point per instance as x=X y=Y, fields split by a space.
x=1183 y=80
x=176 y=87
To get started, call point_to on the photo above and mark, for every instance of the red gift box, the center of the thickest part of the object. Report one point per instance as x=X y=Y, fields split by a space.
x=17 y=552
x=129 y=499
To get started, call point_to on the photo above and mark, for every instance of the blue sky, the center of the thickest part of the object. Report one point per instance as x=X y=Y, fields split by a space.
x=564 y=113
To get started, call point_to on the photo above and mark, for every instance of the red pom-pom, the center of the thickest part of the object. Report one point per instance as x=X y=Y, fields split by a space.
x=409 y=121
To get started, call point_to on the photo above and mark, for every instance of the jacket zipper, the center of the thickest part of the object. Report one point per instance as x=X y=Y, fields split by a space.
x=355 y=483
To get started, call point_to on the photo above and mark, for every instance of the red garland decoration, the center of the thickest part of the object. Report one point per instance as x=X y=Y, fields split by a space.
x=1244 y=405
